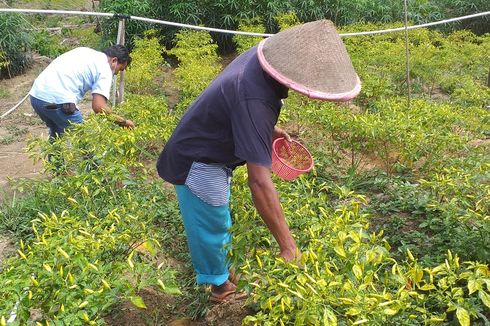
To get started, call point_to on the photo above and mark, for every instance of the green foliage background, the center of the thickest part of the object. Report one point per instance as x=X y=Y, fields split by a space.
x=227 y=14
x=14 y=45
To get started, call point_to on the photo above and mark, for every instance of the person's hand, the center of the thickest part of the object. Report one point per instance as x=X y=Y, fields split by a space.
x=128 y=124
x=278 y=133
x=291 y=255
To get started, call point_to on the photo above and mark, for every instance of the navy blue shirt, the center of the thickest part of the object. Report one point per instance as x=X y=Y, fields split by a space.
x=230 y=123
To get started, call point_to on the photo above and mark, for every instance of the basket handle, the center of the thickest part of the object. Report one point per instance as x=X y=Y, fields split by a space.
x=288 y=147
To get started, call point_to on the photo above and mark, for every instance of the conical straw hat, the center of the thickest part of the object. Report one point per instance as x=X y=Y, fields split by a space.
x=312 y=60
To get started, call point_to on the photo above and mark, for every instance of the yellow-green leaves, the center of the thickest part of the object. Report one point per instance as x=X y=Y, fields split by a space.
x=339 y=249
x=21 y=254
x=357 y=270
x=463 y=316
x=130 y=260
x=83 y=304
x=484 y=297
x=145 y=69
x=138 y=301
x=63 y=253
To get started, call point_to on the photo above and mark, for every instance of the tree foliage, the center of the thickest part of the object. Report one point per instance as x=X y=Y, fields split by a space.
x=14 y=45
x=228 y=14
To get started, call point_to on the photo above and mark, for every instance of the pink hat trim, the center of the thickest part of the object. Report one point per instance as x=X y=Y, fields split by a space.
x=346 y=96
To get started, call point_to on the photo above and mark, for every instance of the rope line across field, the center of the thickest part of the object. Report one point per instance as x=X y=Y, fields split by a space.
x=211 y=29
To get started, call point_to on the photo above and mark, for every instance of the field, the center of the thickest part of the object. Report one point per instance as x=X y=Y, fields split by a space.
x=393 y=221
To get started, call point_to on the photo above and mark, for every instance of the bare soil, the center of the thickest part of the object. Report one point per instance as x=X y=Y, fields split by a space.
x=163 y=309
x=18 y=126
x=6 y=249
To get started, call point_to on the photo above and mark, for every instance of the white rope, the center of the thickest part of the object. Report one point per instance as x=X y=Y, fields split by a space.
x=210 y=29
x=63 y=12
x=15 y=107
x=163 y=22
x=342 y=35
x=481 y=14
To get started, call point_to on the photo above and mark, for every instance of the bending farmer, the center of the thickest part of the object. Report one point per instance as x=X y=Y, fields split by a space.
x=58 y=89
x=232 y=123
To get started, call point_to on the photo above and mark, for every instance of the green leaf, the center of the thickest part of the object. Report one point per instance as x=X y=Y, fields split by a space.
x=473 y=286
x=390 y=312
x=463 y=316
x=340 y=251
x=484 y=297
x=353 y=312
x=138 y=301
x=172 y=290
x=427 y=287
x=357 y=270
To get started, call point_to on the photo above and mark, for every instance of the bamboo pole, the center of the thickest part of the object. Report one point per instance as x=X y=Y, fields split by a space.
x=121 y=40
x=118 y=97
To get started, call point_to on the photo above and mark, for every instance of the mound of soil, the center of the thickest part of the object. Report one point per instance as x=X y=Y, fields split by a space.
x=228 y=314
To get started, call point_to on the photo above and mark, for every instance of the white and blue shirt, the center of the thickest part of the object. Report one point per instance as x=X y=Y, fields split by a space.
x=71 y=75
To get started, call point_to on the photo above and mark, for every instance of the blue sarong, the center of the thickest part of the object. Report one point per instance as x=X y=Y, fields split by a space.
x=207 y=229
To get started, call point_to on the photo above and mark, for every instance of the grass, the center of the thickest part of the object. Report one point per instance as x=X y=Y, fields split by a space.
x=55 y=4
x=4 y=93
x=14 y=133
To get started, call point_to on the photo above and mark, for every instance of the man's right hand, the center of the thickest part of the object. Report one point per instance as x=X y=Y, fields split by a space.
x=128 y=124
x=291 y=255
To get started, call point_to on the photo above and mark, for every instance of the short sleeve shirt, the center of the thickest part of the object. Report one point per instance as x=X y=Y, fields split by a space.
x=229 y=124
x=71 y=75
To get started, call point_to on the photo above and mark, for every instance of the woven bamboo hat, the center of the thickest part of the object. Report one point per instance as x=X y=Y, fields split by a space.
x=312 y=60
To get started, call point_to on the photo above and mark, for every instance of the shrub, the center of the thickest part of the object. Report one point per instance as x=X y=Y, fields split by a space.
x=48 y=45
x=245 y=42
x=14 y=45
x=198 y=64
x=83 y=239
x=142 y=74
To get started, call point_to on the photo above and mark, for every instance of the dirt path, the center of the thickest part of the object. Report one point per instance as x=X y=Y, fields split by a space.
x=17 y=127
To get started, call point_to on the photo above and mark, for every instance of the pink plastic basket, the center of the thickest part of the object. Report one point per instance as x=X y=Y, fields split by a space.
x=290 y=159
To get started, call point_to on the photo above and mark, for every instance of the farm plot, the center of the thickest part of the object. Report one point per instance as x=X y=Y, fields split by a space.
x=393 y=221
